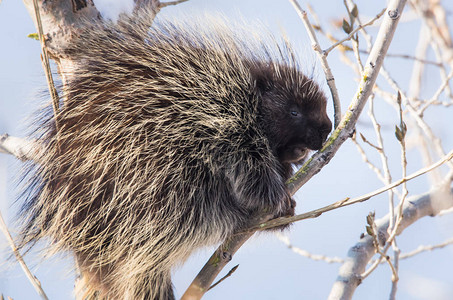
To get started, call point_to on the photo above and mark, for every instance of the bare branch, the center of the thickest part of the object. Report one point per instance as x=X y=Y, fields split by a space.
x=60 y=20
x=34 y=281
x=215 y=264
x=425 y=248
x=46 y=63
x=325 y=65
x=21 y=148
x=414 y=58
x=435 y=97
x=330 y=260
x=317 y=257
x=364 y=139
x=327 y=51
x=165 y=4
x=360 y=254
x=365 y=159
x=346 y=127
x=349 y=201
x=401 y=136
x=233 y=269
x=436 y=142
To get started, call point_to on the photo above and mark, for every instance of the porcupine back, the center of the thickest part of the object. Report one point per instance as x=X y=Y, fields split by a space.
x=152 y=122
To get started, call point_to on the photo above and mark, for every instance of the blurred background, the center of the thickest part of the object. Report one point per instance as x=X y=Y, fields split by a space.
x=267 y=268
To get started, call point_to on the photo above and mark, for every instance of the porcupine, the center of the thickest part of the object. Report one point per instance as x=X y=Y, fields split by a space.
x=169 y=139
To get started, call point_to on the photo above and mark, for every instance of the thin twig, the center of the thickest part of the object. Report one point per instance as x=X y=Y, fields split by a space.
x=354 y=37
x=46 y=63
x=436 y=95
x=394 y=266
x=411 y=57
x=348 y=201
x=325 y=65
x=425 y=248
x=384 y=258
x=316 y=257
x=422 y=248
x=233 y=269
x=443 y=71
x=365 y=159
x=436 y=142
x=331 y=260
x=351 y=35
x=165 y=4
x=364 y=139
x=384 y=158
x=401 y=136
x=34 y=281
x=441 y=38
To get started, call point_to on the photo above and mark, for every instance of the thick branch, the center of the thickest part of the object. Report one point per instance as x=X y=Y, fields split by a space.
x=360 y=254
x=21 y=148
x=390 y=21
x=61 y=20
x=369 y=75
x=216 y=263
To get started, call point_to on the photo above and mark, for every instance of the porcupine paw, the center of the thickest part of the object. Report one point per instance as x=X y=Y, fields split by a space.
x=287 y=209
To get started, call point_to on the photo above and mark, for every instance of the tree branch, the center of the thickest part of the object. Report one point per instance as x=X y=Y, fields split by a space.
x=61 y=20
x=323 y=57
x=34 y=281
x=348 y=201
x=22 y=149
x=360 y=254
x=345 y=129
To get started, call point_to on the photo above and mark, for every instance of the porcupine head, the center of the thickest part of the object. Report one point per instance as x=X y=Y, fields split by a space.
x=169 y=139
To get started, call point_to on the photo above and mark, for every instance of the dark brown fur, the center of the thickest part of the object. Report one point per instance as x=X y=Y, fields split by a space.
x=168 y=141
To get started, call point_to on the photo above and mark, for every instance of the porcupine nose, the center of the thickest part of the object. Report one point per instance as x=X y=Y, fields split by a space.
x=314 y=142
x=316 y=136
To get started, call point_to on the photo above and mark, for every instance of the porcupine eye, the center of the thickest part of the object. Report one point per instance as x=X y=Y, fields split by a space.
x=295 y=112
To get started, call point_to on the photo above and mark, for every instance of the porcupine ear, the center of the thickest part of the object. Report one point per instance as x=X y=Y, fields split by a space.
x=261 y=84
x=262 y=77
